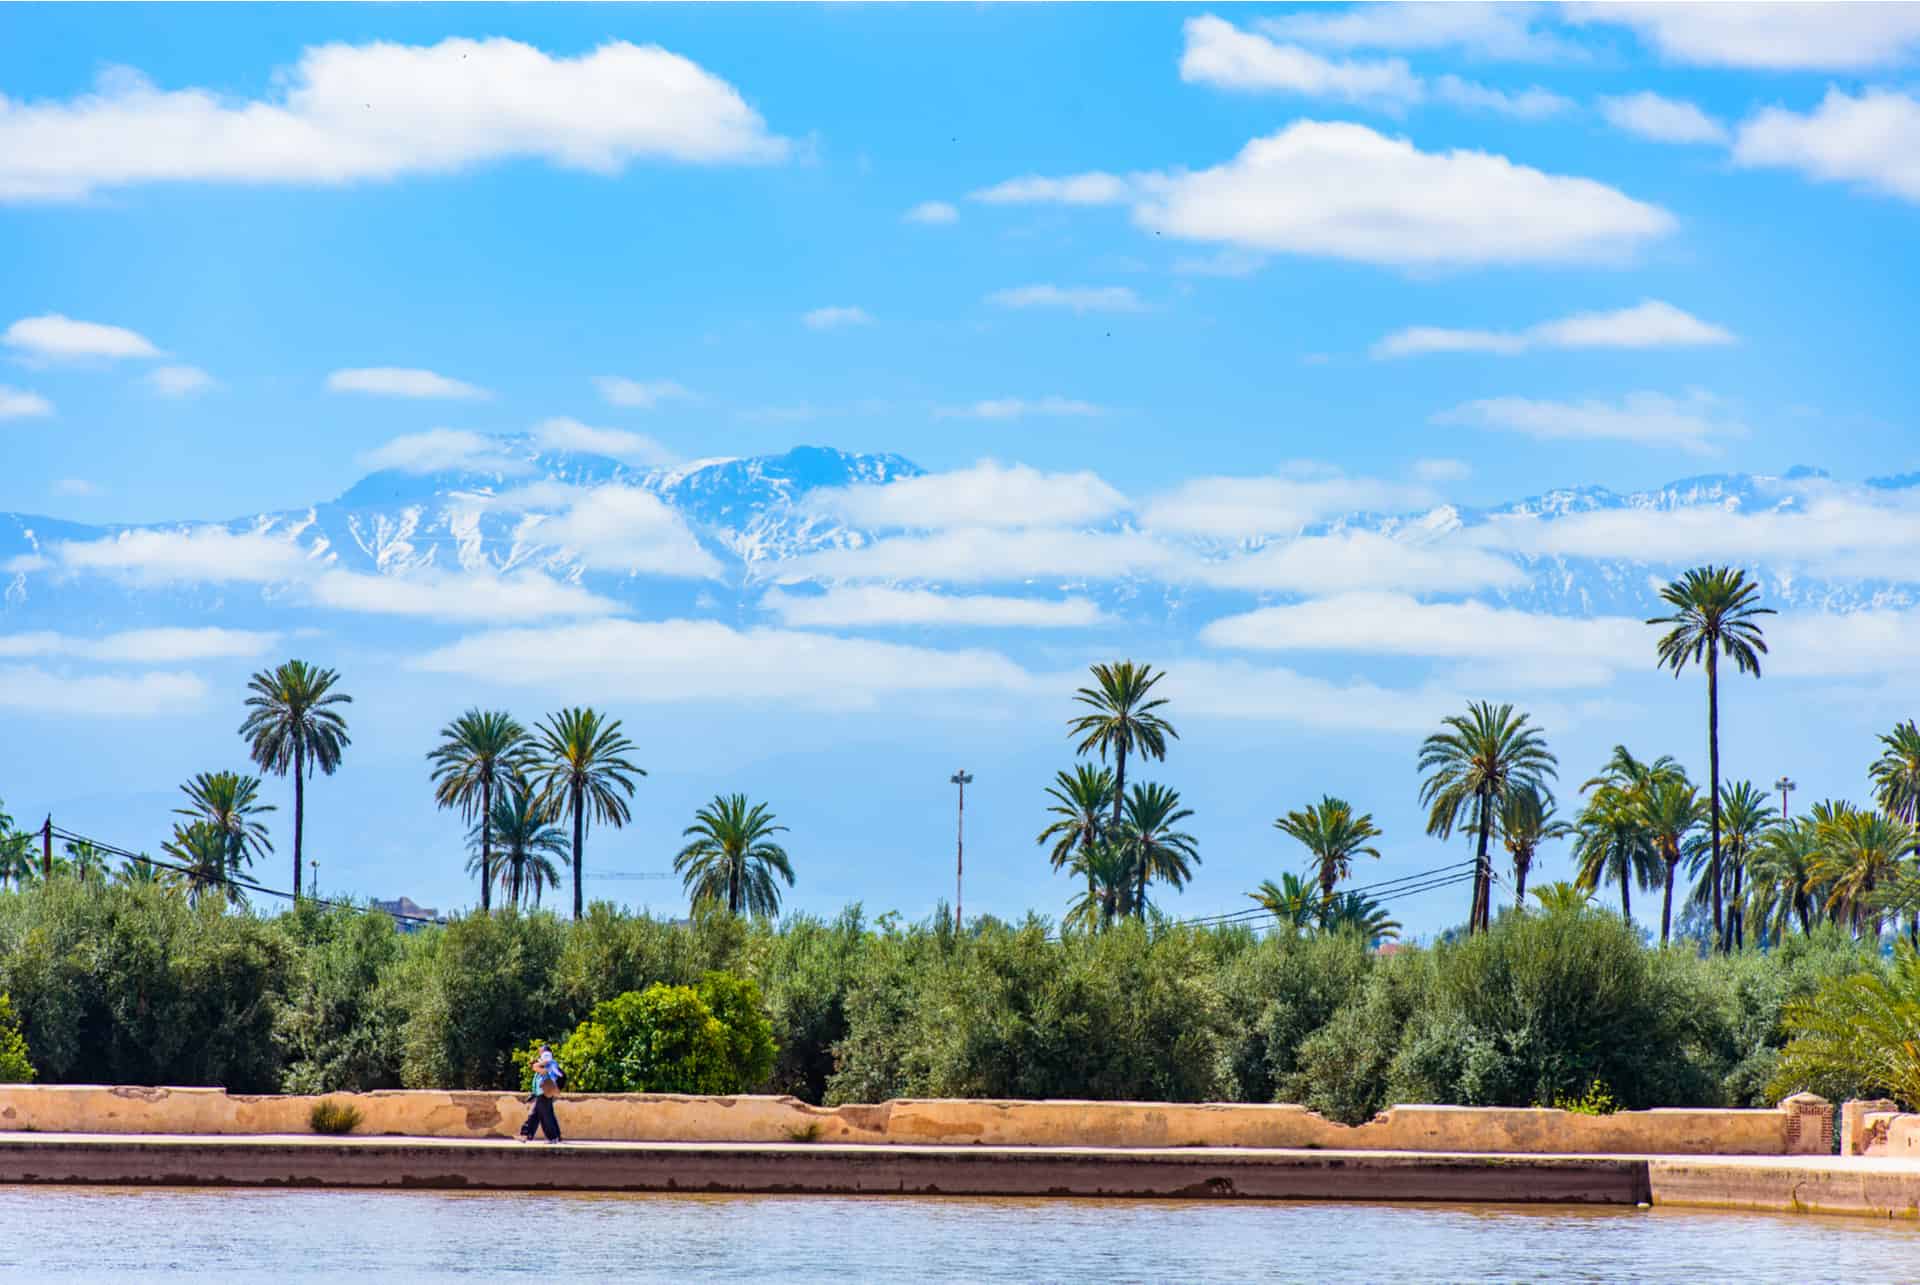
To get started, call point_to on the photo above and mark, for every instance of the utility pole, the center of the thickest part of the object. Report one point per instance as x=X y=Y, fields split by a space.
x=961 y=778
x=1786 y=786
x=46 y=849
x=313 y=864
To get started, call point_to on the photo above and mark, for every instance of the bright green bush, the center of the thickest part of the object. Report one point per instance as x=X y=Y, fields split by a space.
x=1856 y=1036
x=713 y=1038
x=15 y=1066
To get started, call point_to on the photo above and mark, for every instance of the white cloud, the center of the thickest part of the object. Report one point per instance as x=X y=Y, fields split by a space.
x=562 y=434
x=980 y=555
x=372 y=112
x=1648 y=324
x=1770 y=37
x=36 y=691
x=18 y=403
x=987 y=495
x=1664 y=120
x=439 y=450
x=861 y=606
x=674 y=661
x=1244 y=507
x=1868 y=140
x=396 y=381
x=1020 y=408
x=75 y=487
x=1490 y=30
x=1819 y=644
x=1648 y=419
x=1442 y=470
x=191 y=555
x=53 y=337
x=438 y=596
x=1076 y=298
x=1238 y=690
x=641 y=394
x=179 y=381
x=834 y=317
x=1531 y=103
x=1078 y=189
x=624 y=529
x=1357 y=560
x=1220 y=54
x=932 y=212
x=143 y=646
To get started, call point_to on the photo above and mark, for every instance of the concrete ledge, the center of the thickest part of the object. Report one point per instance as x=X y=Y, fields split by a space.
x=1862 y=1185
x=1219 y=1173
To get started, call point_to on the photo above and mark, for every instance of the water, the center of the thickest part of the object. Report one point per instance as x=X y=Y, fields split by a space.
x=127 y=1235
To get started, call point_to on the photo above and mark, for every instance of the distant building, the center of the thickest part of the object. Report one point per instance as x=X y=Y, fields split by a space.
x=408 y=914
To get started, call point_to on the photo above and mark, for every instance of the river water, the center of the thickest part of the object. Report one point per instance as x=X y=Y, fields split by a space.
x=128 y=1235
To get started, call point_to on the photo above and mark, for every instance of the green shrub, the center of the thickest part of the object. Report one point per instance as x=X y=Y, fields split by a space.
x=15 y=1066
x=714 y=1038
x=1856 y=1037
x=1595 y=1101
x=333 y=1117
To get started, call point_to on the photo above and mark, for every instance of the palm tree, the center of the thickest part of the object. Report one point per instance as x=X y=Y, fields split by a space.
x=1152 y=847
x=522 y=826
x=477 y=751
x=581 y=768
x=1612 y=843
x=733 y=858
x=1745 y=816
x=1292 y=901
x=1527 y=821
x=1784 y=884
x=141 y=872
x=1123 y=720
x=230 y=802
x=1563 y=898
x=294 y=727
x=16 y=857
x=1333 y=836
x=1350 y=912
x=1860 y=853
x=1081 y=801
x=86 y=862
x=1470 y=768
x=1109 y=894
x=205 y=853
x=1671 y=811
x=1715 y=614
x=1896 y=787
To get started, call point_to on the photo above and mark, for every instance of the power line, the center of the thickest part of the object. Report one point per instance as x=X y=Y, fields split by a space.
x=1403 y=885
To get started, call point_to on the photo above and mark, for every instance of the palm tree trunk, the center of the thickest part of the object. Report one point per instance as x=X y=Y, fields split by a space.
x=1119 y=801
x=1666 y=906
x=486 y=845
x=1806 y=919
x=733 y=886
x=1626 y=900
x=579 y=836
x=299 y=806
x=1713 y=771
x=1521 y=861
x=1475 y=921
x=516 y=865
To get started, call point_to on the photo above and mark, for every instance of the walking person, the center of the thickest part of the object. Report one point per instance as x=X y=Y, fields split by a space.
x=547 y=1079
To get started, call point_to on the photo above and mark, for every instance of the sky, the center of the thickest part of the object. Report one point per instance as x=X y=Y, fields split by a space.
x=1411 y=255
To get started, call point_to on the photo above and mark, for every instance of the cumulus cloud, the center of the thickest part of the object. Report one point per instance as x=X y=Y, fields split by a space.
x=1531 y=103
x=33 y=690
x=932 y=212
x=1769 y=37
x=18 y=403
x=639 y=394
x=1488 y=30
x=832 y=318
x=52 y=337
x=1356 y=560
x=987 y=495
x=1692 y=423
x=1272 y=694
x=1220 y=54
x=1648 y=324
x=448 y=596
x=1244 y=507
x=1020 y=408
x=1664 y=120
x=207 y=554
x=983 y=555
x=562 y=434
x=1865 y=139
x=676 y=661
x=623 y=529
x=143 y=646
x=397 y=381
x=1073 y=298
x=1078 y=189
x=439 y=450
x=862 y=606
x=179 y=381
x=351 y=113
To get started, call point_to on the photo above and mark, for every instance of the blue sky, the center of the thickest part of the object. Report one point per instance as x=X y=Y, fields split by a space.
x=1469 y=253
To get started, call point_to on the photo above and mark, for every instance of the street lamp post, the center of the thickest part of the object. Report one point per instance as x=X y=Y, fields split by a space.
x=1786 y=786
x=313 y=864
x=962 y=779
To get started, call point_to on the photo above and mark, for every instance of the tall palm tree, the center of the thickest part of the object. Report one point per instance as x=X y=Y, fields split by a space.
x=1671 y=810
x=478 y=751
x=1613 y=843
x=1123 y=719
x=1715 y=613
x=1152 y=847
x=1292 y=901
x=205 y=853
x=1469 y=769
x=1860 y=853
x=1333 y=836
x=86 y=862
x=581 y=769
x=1784 y=886
x=230 y=802
x=1896 y=788
x=523 y=828
x=1081 y=801
x=141 y=872
x=1746 y=815
x=1109 y=895
x=294 y=727
x=1526 y=821
x=733 y=858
